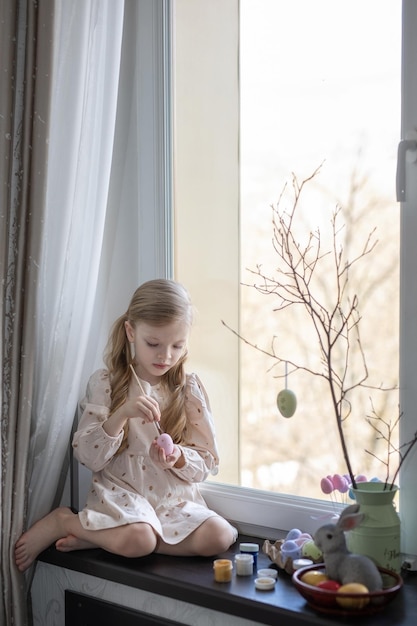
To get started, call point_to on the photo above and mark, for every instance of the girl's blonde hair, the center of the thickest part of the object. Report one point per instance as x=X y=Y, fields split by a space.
x=156 y=302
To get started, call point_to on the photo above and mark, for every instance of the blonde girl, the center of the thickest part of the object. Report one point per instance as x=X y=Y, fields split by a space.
x=142 y=500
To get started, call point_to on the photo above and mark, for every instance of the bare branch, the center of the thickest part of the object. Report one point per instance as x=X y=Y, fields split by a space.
x=333 y=313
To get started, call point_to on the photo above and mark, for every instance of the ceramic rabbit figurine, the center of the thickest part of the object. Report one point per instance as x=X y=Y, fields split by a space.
x=341 y=564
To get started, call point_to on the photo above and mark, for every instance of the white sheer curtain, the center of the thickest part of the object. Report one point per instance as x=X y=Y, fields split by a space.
x=87 y=52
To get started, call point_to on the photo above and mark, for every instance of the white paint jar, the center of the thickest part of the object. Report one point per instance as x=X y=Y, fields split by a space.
x=244 y=564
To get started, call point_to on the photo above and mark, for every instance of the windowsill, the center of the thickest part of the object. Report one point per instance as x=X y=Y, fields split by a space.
x=191 y=580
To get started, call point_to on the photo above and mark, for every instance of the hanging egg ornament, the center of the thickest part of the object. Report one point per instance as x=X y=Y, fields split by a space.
x=286 y=402
x=286 y=399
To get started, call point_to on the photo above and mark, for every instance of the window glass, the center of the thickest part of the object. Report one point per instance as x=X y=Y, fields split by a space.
x=319 y=88
x=273 y=88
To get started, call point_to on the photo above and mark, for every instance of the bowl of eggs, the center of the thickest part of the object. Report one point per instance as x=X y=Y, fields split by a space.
x=328 y=596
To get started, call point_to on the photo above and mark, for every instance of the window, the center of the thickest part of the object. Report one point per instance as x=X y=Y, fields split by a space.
x=212 y=162
x=209 y=156
x=309 y=98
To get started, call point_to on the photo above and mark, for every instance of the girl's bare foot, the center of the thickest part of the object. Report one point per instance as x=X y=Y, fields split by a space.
x=40 y=536
x=69 y=543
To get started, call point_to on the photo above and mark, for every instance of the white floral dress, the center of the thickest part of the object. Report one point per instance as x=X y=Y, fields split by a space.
x=128 y=487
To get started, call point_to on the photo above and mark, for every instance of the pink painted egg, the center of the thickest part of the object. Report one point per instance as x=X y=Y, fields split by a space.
x=165 y=442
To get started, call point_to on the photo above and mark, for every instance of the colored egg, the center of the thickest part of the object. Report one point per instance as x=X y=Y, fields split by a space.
x=289 y=549
x=314 y=577
x=311 y=551
x=301 y=541
x=330 y=585
x=326 y=485
x=286 y=402
x=294 y=533
x=330 y=588
x=303 y=538
x=340 y=483
x=361 y=478
x=166 y=443
x=352 y=602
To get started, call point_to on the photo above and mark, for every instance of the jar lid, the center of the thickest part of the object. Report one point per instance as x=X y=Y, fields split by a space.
x=222 y=564
x=249 y=547
x=244 y=558
x=265 y=583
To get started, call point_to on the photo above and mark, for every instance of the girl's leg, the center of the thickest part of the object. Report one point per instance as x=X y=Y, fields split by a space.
x=71 y=543
x=213 y=537
x=132 y=540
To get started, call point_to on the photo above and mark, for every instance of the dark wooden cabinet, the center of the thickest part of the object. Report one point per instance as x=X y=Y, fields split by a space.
x=83 y=610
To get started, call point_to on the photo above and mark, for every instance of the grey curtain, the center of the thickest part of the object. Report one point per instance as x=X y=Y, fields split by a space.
x=25 y=40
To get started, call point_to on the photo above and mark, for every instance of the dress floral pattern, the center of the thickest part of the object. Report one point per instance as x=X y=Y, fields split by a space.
x=128 y=487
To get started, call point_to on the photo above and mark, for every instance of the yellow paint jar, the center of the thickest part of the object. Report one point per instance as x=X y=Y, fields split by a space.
x=223 y=569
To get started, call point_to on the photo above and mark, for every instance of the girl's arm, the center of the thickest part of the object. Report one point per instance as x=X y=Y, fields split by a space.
x=92 y=445
x=200 y=456
x=99 y=434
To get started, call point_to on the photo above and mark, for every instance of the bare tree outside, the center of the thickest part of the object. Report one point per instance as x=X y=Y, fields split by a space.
x=290 y=455
x=309 y=97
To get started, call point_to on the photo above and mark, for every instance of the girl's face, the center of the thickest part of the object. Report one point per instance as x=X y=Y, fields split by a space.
x=157 y=348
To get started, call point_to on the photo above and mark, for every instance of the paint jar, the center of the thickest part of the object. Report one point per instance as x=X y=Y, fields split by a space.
x=244 y=564
x=250 y=548
x=223 y=569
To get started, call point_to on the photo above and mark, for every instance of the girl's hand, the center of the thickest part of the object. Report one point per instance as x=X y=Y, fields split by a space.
x=159 y=457
x=142 y=406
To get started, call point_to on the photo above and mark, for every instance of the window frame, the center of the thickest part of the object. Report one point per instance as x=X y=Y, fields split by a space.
x=265 y=513
x=254 y=512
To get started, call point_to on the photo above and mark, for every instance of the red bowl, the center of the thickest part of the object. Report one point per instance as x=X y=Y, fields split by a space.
x=324 y=600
